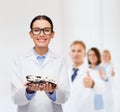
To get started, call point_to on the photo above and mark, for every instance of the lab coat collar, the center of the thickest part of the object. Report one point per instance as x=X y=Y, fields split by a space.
x=81 y=67
x=50 y=53
x=81 y=72
x=49 y=56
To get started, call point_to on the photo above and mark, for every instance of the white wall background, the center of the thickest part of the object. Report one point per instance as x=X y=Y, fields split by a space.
x=96 y=22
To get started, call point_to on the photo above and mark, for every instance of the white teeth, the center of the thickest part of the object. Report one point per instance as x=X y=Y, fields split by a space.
x=42 y=40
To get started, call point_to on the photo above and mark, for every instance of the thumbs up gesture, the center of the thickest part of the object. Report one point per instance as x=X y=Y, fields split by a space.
x=88 y=81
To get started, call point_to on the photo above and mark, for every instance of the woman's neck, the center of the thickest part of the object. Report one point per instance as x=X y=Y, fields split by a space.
x=41 y=51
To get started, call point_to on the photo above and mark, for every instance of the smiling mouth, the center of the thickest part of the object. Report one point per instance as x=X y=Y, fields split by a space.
x=42 y=40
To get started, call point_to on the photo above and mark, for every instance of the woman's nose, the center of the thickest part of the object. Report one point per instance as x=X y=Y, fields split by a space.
x=41 y=33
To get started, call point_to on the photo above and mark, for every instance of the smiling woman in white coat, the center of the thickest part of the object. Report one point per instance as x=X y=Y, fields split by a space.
x=40 y=61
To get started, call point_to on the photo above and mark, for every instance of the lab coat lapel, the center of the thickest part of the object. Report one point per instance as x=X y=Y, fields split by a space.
x=49 y=58
x=32 y=57
x=81 y=72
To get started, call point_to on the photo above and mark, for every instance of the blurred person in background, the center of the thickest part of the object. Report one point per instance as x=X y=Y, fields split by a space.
x=109 y=71
x=94 y=61
x=83 y=81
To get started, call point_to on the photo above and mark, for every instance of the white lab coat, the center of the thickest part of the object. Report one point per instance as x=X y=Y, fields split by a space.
x=81 y=98
x=108 y=94
x=54 y=67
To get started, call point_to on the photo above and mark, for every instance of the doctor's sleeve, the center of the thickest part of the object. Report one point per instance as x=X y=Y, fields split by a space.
x=52 y=96
x=29 y=96
x=62 y=93
x=18 y=89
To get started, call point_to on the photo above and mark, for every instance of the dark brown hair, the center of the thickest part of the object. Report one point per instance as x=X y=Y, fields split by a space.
x=39 y=17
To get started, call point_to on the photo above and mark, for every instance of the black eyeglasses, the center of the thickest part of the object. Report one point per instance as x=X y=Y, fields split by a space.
x=37 y=31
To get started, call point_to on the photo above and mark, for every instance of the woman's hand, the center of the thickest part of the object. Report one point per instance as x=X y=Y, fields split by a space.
x=40 y=87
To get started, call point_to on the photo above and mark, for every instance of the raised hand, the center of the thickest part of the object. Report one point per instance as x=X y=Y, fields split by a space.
x=88 y=81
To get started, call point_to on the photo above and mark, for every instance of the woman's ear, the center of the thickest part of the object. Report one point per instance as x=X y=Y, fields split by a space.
x=30 y=33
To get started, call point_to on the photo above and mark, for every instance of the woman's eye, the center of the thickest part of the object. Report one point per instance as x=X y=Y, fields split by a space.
x=36 y=30
x=47 y=30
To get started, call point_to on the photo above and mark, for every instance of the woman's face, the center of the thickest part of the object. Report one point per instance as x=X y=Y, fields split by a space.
x=41 y=38
x=105 y=57
x=92 y=57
